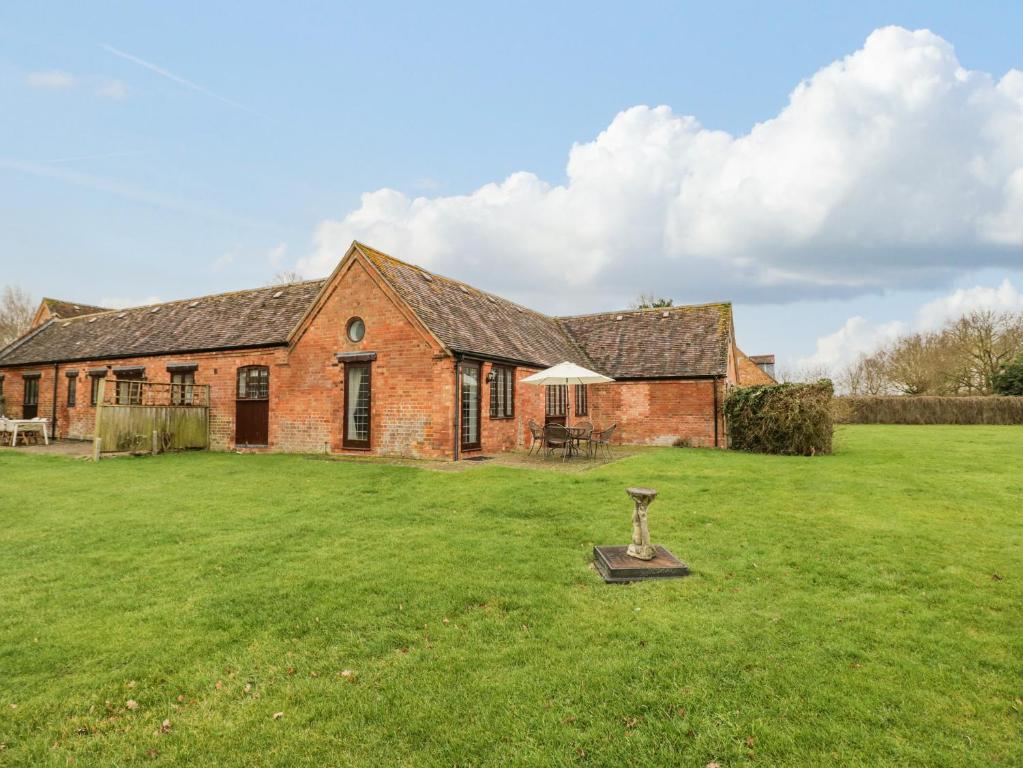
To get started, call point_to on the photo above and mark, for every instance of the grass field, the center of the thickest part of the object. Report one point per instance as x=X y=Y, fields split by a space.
x=861 y=609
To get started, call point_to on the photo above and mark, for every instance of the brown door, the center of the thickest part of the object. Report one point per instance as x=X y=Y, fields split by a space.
x=252 y=406
x=30 y=405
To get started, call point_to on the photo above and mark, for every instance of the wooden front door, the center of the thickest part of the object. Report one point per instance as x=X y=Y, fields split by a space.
x=30 y=403
x=252 y=406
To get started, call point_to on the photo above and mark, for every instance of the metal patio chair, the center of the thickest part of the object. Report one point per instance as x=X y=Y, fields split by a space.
x=583 y=431
x=600 y=442
x=557 y=437
x=536 y=432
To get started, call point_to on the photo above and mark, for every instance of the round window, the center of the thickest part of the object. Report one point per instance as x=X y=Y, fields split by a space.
x=356 y=329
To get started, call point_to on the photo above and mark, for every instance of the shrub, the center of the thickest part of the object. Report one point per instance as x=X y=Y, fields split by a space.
x=1009 y=380
x=792 y=419
x=928 y=410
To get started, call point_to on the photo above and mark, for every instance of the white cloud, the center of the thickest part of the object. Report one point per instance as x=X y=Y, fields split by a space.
x=112 y=89
x=1004 y=298
x=54 y=80
x=858 y=336
x=892 y=167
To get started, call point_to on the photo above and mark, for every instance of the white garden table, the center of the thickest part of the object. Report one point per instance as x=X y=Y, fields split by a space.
x=28 y=425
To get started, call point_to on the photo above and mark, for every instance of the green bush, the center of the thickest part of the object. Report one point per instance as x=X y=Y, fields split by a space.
x=1009 y=380
x=793 y=419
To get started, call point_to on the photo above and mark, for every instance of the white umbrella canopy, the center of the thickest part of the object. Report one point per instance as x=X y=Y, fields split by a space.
x=566 y=373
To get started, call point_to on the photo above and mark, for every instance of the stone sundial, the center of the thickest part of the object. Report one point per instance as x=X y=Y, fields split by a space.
x=640 y=559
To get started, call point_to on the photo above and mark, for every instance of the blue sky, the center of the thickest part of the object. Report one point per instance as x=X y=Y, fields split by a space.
x=167 y=150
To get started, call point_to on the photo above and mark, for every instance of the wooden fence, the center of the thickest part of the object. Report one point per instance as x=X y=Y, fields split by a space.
x=141 y=416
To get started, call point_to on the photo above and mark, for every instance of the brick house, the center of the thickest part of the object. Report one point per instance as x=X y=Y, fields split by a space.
x=384 y=357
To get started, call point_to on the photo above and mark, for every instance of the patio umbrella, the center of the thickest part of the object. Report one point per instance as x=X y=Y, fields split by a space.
x=566 y=373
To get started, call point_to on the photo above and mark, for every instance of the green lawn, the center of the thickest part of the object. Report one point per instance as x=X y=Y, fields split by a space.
x=861 y=609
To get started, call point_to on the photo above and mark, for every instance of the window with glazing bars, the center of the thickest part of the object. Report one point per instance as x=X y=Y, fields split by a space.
x=182 y=387
x=129 y=389
x=557 y=399
x=502 y=392
x=94 y=390
x=470 y=405
x=358 y=405
x=31 y=391
x=254 y=383
x=582 y=405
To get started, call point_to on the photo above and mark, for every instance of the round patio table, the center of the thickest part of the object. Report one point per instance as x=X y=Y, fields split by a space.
x=577 y=435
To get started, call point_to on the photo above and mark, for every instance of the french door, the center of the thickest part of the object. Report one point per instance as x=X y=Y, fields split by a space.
x=470 y=406
x=358 y=406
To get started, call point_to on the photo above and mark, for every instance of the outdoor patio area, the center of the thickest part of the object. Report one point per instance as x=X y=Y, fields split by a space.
x=515 y=459
x=71 y=448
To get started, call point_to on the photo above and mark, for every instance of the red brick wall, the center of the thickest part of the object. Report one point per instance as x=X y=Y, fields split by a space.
x=413 y=394
x=506 y=434
x=658 y=412
x=413 y=387
x=216 y=369
x=412 y=381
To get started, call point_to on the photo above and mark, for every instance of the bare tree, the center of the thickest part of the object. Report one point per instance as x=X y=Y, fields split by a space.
x=963 y=358
x=916 y=364
x=866 y=376
x=982 y=342
x=16 y=311
x=803 y=374
x=649 y=301
x=286 y=277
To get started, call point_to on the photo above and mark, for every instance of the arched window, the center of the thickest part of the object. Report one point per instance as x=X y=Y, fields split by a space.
x=254 y=382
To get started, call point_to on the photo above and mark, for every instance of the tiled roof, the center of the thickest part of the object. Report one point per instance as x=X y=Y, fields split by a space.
x=258 y=317
x=676 y=341
x=468 y=320
x=680 y=341
x=66 y=309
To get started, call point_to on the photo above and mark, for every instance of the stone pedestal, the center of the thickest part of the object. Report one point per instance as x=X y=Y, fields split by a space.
x=640 y=559
x=618 y=567
x=640 y=547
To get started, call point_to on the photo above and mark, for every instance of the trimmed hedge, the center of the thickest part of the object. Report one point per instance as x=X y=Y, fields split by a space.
x=791 y=419
x=921 y=409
